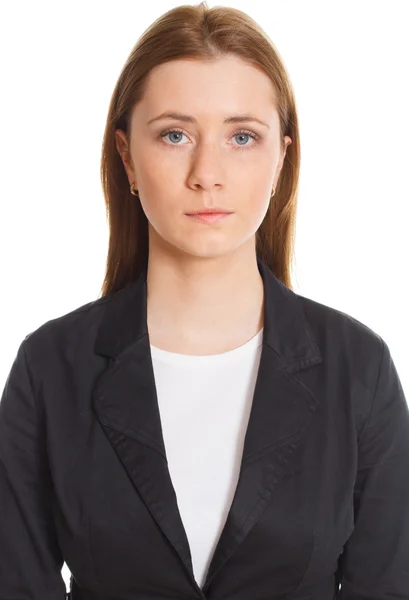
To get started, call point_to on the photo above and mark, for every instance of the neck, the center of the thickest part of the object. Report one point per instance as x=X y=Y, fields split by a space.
x=198 y=299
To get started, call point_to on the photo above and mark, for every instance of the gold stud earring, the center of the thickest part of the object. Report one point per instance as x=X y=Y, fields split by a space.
x=133 y=192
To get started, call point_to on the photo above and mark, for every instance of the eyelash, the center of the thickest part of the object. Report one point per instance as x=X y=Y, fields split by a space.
x=253 y=135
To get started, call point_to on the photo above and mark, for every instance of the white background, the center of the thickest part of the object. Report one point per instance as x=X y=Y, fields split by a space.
x=348 y=63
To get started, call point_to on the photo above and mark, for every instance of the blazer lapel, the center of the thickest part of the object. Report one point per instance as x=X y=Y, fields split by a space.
x=127 y=407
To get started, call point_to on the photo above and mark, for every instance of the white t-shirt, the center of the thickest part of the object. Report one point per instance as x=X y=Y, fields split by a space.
x=204 y=404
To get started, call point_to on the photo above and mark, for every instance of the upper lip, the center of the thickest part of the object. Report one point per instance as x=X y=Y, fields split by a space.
x=215 y=209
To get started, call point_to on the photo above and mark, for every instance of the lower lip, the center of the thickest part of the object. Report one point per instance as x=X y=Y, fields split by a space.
x=209 y=217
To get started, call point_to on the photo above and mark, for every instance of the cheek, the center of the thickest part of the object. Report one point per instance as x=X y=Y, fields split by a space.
x=163 y=211
x=254 y=199
x=158 y=185
x=154 y=211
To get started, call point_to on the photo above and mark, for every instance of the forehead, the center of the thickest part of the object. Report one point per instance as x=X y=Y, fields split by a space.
x=208 y=89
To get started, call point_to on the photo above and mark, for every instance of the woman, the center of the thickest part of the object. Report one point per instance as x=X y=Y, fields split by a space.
x=201 y=430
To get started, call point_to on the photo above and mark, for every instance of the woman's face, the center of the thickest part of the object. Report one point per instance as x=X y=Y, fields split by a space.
x=206 y=162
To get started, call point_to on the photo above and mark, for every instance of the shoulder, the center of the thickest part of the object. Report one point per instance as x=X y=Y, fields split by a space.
x=341 y=335
x=78 y=327
x=325 y=318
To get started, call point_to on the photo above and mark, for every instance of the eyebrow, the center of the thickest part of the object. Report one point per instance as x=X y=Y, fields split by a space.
x=233 y=119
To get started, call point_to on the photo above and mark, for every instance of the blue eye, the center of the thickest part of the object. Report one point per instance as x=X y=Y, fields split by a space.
x=172 y=131
x=245 y=133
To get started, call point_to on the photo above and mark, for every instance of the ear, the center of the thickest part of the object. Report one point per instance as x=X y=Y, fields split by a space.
x=287 y=141
x=124 y=152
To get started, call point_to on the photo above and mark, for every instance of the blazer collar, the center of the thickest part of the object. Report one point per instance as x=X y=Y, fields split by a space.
x=126 y=404
x=286 y=329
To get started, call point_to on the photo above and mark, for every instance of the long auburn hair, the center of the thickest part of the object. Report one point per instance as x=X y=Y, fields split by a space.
x=202 y=33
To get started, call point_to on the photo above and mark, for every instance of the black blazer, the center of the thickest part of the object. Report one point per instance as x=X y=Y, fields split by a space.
x=323 y=493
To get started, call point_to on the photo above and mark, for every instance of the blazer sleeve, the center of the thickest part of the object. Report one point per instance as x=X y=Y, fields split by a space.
x=30 y=557
x=374 y=564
